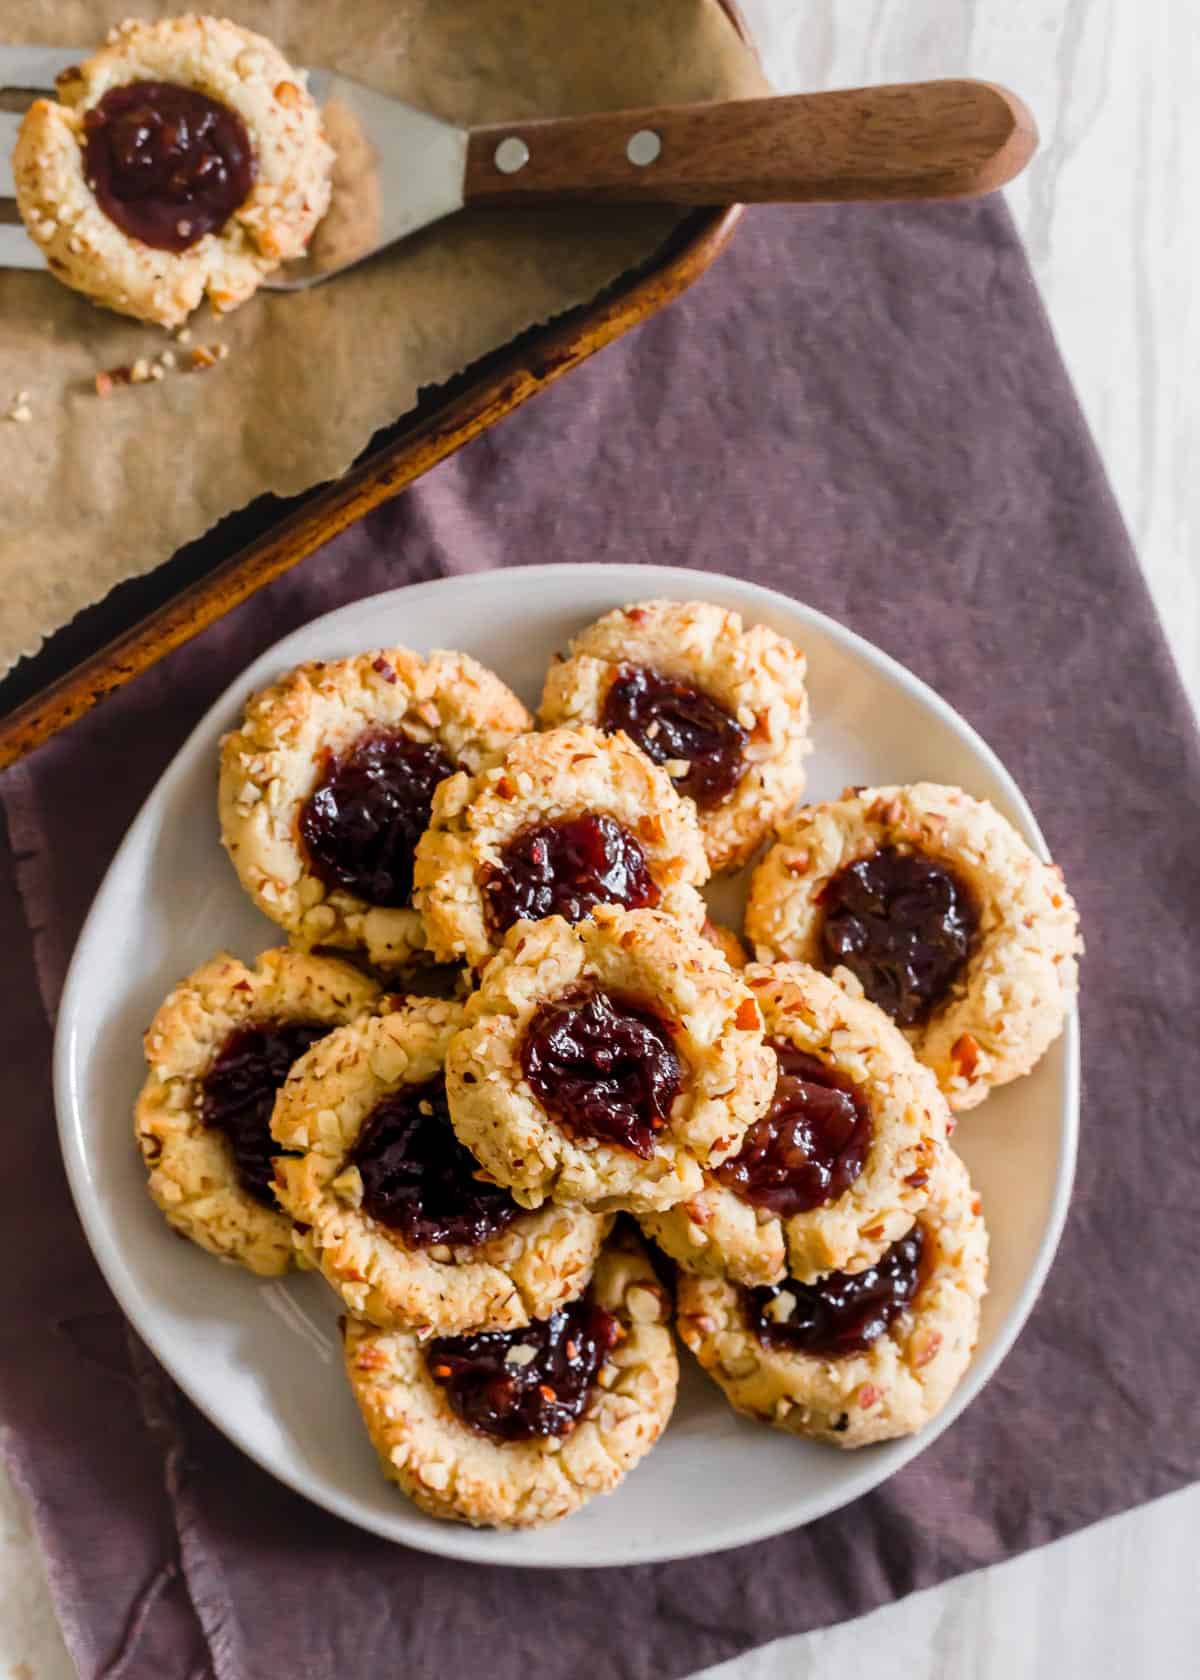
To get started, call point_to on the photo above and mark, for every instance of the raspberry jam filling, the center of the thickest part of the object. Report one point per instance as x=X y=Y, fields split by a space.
x=603 y=1066
x=844 y=1312
x=810 y=1145
x=167 y=164
x=361 y=823
x=566 y=869
x=417 y=1178
x=520 y=1385
x=904 y=925
x=672 y=722
x=238 y=1094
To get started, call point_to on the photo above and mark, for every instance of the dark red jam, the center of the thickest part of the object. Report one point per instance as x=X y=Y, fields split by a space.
x=809 y=1146
x=603 y=1066
x=671 y=721
x=520 y=1385
x=361 y=823
x=167 y=164
x=417 y=1178
x=566 y=869
x=845 y=1311
x=238 y=1094
x=904 y=925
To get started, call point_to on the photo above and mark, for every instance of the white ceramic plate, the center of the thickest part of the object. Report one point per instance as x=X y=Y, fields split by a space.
x=261 y=1358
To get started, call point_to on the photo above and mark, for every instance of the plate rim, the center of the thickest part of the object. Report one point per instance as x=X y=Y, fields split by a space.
x=452 y=1540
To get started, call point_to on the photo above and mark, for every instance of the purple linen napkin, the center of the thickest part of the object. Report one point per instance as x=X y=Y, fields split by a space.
x=864 y=408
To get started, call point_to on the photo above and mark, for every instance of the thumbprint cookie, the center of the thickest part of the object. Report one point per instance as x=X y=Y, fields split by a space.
x=932 y=905
x=721 y=706
x=218 y=1050
x=607 y=1063
x=566 y=821
x=327 y=786
x=518 y=1428
x=184 y=159
x=853 y=1357
x=833 y=1173
x=390 y=1205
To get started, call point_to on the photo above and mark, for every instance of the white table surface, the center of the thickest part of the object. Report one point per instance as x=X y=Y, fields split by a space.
x=1111 y=217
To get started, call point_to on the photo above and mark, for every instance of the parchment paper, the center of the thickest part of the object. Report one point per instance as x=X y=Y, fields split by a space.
x=94 y=490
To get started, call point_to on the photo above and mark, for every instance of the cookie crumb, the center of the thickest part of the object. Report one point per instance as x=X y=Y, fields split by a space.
x=205 y=356
x=110 y=378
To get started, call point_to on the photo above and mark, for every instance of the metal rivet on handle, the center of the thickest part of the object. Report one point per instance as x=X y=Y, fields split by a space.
x=643 y=147
x=511 y=154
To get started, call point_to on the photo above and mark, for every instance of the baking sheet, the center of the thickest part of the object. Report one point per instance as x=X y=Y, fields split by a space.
x=96 y=490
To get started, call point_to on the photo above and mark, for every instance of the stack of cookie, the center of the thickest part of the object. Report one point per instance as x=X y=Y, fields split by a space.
x=504 y=1036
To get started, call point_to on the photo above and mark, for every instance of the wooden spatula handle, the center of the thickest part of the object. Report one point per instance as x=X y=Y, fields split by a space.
x=919 y=140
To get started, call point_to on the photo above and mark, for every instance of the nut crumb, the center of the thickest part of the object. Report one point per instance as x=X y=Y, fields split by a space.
x=925 y=1346
x=747 y=1016
x=643 y=1305
x=965 y=1054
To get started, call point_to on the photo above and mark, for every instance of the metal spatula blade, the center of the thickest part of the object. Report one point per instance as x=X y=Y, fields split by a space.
x=399 y=168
